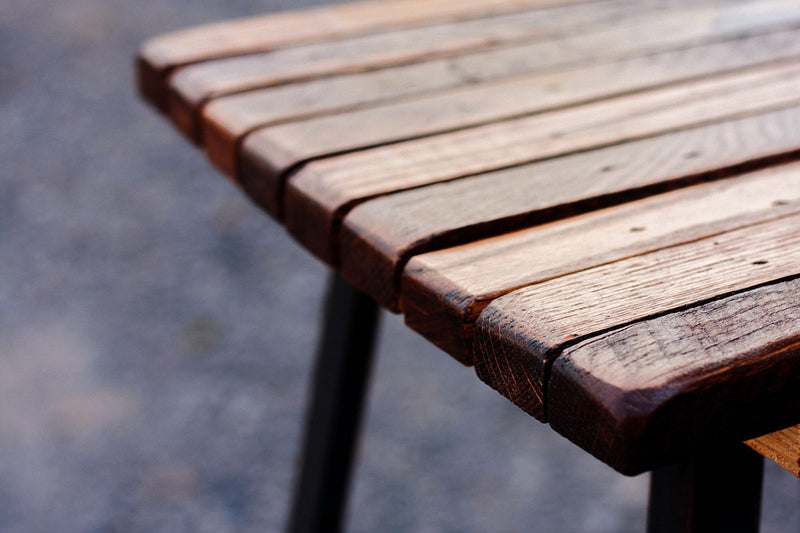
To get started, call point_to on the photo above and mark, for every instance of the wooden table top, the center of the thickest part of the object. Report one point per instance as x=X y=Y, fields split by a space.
x=595 y=203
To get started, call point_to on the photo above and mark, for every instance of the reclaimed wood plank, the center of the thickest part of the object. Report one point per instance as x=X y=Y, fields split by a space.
x=226 y=120
x=643 y=34
x=380 y=236
x=414 y=99
x=444 y=292
x=321 y=191
x=781 y=446
x=520 y=334
x=191 y=87
x=162 y=54
x=194 y=86
x=655 y=391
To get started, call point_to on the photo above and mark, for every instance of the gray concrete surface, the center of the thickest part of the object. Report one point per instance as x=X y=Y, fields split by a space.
x=156 y=332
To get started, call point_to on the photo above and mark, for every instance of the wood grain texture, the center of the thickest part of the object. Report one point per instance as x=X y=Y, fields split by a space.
x=782 y=446
x=414 y=100
x=378 y=237
x=192 y=86
x=444 y=292
x=519 y=335
x=613 y=323
x=656 y=391
x=578 y=34
x=321 y=192
x=162 y=54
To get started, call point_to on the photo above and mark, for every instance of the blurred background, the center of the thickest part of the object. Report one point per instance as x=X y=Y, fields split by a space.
x=157 y=331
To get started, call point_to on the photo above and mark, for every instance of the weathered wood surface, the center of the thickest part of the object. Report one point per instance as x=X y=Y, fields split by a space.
x=646 y=394
x=445 y=292
x=519 y=335
x=378 y=237
x=317 y=194
x=782 y=446
x=414 y=101
x=565 y=193
x=192 y=86
x=160 y=55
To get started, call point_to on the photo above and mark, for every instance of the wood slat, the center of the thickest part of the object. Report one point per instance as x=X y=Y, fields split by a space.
x=271 y=151
x=319 y=194
x=611 y=324
x=160 y=55
x=444 y=292
x=519 y=335
x=378 y=236
x=782 y=446
x=192 y=86
x=654 y=392
x=422 y=110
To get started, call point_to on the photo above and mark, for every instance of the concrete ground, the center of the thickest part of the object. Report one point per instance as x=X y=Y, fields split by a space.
x=156 y=332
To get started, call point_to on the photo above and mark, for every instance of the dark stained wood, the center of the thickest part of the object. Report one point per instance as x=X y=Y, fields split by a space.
x=379 y=236
x=227 y=119
x=162 y=54
x=519 y=335
x=568 y=194
x=782 y=446
x=419 y=89
x=192 y=86
x=320 y=192
x=444 y=292
x=647 y=394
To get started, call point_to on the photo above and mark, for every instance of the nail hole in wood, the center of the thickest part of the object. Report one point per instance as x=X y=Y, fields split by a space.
x=637 y=229
x=762 y=262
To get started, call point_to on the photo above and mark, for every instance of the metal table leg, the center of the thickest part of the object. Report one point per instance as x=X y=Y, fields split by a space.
x=718 y=491
x=339 y=387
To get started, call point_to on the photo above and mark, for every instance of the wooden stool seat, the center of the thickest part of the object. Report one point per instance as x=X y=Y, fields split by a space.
x=595 y=203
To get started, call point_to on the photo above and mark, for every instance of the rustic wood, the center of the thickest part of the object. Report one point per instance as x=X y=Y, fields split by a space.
x=227 y=119
x=419 y=87
x=518 y=336
x=444 y=292
x=378 y=237
x=593 y=201
x=192 y=86
x=646 y=394
x=161 y=55
x=319 y=193
x=616 y=29
x=782 y=446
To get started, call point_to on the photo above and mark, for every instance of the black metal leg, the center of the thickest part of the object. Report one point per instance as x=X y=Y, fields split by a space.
x=332 y=422
x=718 y=491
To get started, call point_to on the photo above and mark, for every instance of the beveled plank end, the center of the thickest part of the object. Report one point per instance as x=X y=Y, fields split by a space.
x=310 y=216
x=430 y=303
x=366 y=261
x=263 y=169
x=151 y=81
x=511 y=361
x=646 y=394
x=222 y=132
